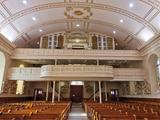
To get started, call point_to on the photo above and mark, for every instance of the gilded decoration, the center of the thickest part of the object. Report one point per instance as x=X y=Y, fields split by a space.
x=78 y=13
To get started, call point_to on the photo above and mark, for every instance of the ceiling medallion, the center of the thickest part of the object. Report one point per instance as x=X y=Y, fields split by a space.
x=78 y=13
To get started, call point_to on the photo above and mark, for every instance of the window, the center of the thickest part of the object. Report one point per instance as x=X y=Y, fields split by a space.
x=77 y=83
x=50 y=42
x=53 y=41
x=20 y=87
x=2 y=69
x=20 y=84
x=102 y=43
x=158 y=69
x=55 y=44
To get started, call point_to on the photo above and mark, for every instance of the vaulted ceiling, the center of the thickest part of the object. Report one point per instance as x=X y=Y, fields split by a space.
x=133 y=23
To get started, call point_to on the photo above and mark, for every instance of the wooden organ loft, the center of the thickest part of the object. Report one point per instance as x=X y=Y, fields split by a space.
x=77 y=40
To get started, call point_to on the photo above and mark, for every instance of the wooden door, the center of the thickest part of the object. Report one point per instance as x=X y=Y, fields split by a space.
x=76 y=93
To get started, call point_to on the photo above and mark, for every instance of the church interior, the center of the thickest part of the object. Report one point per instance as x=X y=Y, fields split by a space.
x=79 y=59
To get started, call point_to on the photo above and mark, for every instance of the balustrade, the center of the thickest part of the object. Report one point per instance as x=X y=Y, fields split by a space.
x=76 y=72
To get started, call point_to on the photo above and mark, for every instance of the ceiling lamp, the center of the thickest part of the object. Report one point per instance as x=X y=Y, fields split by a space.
x=24 y=2
x=77 y=25
x=121 y=21
x=131 y=5
x=77 y=40
x=114 y=32
x=34 y=18
x=40 y=30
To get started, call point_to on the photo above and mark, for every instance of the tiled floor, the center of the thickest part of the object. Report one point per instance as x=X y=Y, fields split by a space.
x=77 y=113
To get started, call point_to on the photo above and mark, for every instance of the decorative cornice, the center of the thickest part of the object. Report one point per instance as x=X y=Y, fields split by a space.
x=153 y=3
x=151 y=46
x=6 y=45
x=116 y=27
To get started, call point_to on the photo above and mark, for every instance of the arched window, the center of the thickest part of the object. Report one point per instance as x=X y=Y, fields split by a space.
x=158 y=70
x=20 y=84
x=2 y=69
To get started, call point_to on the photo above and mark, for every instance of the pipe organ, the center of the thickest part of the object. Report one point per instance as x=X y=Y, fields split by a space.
x=77 y=40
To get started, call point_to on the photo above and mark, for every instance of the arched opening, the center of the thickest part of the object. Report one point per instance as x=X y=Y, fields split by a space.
x=153 y=60
x=158 y=72
x=2 y=69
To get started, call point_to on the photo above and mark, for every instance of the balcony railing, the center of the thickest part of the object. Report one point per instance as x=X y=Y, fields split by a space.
x=22 y=53
x=76 y=72
x=129 y=74
x=87 y=71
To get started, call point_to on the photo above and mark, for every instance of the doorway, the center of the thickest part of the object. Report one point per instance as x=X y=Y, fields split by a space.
x=76 y=93
x=114 y=94
x=38 y=94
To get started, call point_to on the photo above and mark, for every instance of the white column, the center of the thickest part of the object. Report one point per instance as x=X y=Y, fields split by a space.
x=47 y=89
x=105 y=85
x=113 y=43
x=65 y=41
x=97 y=62
x=55 y=61
x=41 y=42
x=53 y=92
x=94 y=90
x=59 y=91
x=100 y=93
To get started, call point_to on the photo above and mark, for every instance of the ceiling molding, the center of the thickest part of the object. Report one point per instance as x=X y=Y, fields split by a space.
x=6 y=46
x=37 y=26
x=92 y=5
x=150 y=47
x=153 y=3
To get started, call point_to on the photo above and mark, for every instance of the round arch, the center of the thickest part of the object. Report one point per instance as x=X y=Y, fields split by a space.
x=2 y=69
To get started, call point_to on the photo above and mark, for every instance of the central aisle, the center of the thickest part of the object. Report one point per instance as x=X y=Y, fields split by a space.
x=77 y=112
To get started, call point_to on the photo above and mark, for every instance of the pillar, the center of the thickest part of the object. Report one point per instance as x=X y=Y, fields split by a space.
x=94 y=90
x=100 y=93
x=59 y=91
x=53 y=92
x=97 y=62
x=56 y=61
x=105 y=85
x=47 y=89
